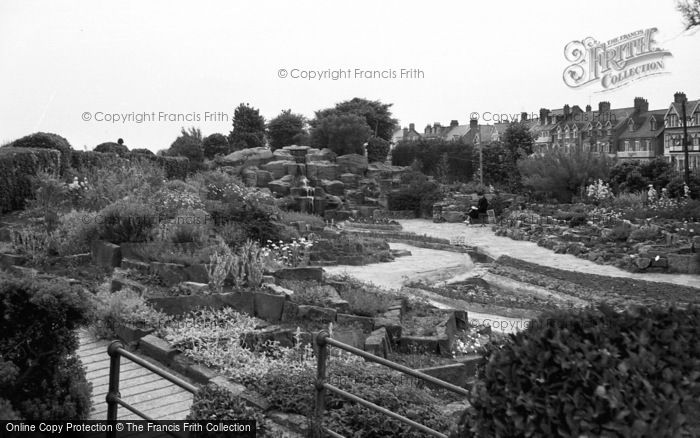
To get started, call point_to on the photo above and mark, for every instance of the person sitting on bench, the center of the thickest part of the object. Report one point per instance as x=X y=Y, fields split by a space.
x=483 y=205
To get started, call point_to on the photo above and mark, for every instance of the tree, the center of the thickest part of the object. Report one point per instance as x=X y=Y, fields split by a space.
x=377 y=149
x=248 y=128
x=518 y=141
x=499 y=167
x=690 y=10
x=376 y=114
x=562 y=173
x=286 y=129
x=429 y=153
x=215 y=144
x=188 y=144
x=343 y=134
x=112 y=148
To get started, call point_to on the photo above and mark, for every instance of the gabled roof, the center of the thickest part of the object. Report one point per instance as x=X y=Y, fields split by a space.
x=690 y=108
x=642 y=125
x=458 y=131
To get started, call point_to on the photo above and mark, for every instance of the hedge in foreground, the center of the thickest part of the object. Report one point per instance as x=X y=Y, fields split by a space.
x=41 y=377
x=592 y=372
x=17 y=168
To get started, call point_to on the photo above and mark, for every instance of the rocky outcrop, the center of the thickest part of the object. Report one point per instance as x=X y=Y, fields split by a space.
x=352 y=163
x=248 y=157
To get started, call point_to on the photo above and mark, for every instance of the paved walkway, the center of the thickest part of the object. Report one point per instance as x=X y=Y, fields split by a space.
x=496 y=246
x=142 y=389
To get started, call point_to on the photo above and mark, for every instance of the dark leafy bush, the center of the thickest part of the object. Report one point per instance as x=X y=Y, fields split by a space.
x=578 y=219
x=17 y=169
x=292 y=391
x=620 y=233
x=112 y=148
x=592 y=372
x=44 y=140
x=215 y=144
x=256 y=224
x=41 y=378
x=377 y=149
x=417 y=194
x=125 y=221
x=213 y=403
x=143 y=151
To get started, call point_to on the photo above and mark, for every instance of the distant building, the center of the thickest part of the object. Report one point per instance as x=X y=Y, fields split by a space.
x=405 y=134
x=673 y=132
x=642 y=139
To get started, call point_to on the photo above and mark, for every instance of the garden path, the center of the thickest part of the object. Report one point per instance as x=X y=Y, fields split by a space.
x=495 y=246
x=142 y=389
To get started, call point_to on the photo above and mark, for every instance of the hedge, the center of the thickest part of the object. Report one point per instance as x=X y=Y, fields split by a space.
x=45 y=140
x=112 y=148
x=84 y=160
x=593 y=372
x=41 y=377
x=174 y=167
x=17 y=167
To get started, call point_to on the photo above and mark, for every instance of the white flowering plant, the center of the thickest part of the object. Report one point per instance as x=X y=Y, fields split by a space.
x=293 y=254
x=599 y=191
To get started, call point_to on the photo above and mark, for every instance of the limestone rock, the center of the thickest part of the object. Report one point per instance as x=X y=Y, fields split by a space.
x=352 y=163
x=322 y=155
x=336 y=188
x=280 y=187
x=277 y=169
x=248 y=157
x=351 y=180
x=263 y=178
x=320 y=170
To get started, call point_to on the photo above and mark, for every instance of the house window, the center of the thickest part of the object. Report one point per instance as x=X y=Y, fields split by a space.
x=647 y=145
x=631 y=125
x=566 y=132
x=637 y=147
x=653 y=124
x=626 y=147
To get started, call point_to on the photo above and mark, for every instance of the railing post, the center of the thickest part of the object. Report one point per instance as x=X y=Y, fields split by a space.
x=320 y=402
x=113 y=391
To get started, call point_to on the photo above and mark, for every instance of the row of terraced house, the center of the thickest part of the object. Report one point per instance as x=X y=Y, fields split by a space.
x=631 y=133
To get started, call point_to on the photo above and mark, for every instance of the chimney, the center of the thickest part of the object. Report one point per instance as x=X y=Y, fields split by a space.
x=544 y=113
x=588 y=108
x=411 y=126
x=473 y=123
x=567 y=111
x=405 y=132
x=523 y=116
x=679 y=97
x=641 y=105
x=454 y=123
x=428 y=129
x=603 y=107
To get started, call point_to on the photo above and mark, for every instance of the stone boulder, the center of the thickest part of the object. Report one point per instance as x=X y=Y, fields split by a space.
x=352 y=163
x=320 y=170
x=282 y=155
x=263 y=178
x=106 y=254
x=351 y=180
x=336 y=188
x=378 y=343
x=281 y=186
x=277 y=169
x=295 y=169
x=325 y=154
x=248 y=157
x=250 y=177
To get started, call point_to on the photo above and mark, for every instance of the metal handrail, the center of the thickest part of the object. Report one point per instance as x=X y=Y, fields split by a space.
x=322 y=340
x=116 y=351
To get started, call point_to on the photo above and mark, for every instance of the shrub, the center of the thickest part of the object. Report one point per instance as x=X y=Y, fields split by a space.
x=125 y=221
x=43 y=140
x=123 y=307
x=112 y=148
x=214 y=403
x=174 y=197
x=17 y=169
x=232 y=234
x=41 y=378
x=628 y=201
x=189 y=145
x=143 y=151
x=377 y=149
x=644 y=233
x=292 y=391
x=592 y=372
x=620 y=233
x=561 y=173
x=366 y=302
x=76 y=229
x=578 y=219
x=215 y=144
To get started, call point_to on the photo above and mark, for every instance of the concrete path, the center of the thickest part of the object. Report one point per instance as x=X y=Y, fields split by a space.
x=496 y=246
x=142 y=389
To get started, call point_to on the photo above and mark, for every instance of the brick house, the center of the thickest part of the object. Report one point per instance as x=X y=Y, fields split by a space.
x=673 y=132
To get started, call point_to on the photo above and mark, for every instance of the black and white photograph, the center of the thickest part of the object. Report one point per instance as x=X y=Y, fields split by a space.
x=366 y=219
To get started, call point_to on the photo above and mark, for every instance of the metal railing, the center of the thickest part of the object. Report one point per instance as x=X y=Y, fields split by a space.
x=116 y=351
x=323 y=340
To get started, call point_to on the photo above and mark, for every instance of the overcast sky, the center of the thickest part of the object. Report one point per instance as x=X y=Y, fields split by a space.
x=61 y=59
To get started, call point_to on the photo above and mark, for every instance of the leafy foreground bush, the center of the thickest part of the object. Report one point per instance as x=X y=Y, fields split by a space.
x=125 y=221
x=41 y=378
x=45 y=140
x=18 y=167
x=593 y=372
x=292 y=390
x=215 y=403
